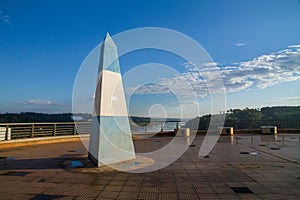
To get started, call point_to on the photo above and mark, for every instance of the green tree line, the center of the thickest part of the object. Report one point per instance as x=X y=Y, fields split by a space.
x=27 y=117
x=280 y=116
x=31 y=117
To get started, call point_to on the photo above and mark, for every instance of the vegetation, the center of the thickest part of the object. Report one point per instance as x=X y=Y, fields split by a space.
x=281 y=116
x=34 y=117
x=65 y=117
x=140 y=121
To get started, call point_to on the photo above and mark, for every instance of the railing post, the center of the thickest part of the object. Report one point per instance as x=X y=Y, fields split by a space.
x=54 y=129
x=74 y=130
x=32 y=130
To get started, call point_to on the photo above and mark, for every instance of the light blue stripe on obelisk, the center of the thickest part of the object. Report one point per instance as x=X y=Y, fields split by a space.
x=116 y=141
x=109 y=56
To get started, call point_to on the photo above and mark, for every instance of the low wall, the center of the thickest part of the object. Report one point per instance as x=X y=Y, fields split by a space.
x=38 y=141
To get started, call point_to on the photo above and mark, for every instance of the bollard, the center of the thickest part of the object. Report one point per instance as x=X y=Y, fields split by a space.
x=185 y=132
x=268 y=129
x=227 y=131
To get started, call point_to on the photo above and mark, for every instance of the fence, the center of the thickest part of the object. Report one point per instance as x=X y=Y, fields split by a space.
x=46 y=129
x=30 y=130
x=256 y=124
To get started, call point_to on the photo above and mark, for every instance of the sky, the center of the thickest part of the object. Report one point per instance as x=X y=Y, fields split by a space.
x=254 y=43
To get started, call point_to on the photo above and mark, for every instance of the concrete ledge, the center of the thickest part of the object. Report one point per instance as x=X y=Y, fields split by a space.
x=39 y=140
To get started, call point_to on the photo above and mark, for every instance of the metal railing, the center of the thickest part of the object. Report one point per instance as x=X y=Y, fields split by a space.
x=44 y=129
x=256 y=124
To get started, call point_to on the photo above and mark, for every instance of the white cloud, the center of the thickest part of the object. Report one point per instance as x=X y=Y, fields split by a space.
x=294 y=46
x=260 y=72
x=287 y=100
x=4 y=18
x=240 y=44
x=266 y=70
x=39 y=102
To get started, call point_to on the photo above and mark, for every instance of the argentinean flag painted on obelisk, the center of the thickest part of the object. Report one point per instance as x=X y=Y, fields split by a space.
x=110 y=140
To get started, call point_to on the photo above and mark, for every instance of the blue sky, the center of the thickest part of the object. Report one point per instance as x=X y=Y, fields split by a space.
x=43 y=43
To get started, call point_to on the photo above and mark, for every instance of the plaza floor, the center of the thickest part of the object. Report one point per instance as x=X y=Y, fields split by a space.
x=238 y=167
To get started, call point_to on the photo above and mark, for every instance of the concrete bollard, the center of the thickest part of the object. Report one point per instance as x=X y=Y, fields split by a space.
x=227 y=131
x=268 y=129
x=184 y=132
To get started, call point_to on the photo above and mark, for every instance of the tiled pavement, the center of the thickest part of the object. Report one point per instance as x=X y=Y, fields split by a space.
x=239 y=167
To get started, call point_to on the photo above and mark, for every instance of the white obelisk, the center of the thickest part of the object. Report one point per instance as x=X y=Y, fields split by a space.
x=110 y=140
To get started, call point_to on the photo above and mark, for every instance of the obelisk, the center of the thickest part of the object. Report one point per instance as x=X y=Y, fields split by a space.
x=110 y=140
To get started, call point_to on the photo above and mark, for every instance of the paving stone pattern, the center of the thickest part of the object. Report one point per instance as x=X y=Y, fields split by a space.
x=46 y=172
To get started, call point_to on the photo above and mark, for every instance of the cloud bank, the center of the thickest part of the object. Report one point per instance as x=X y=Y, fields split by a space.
x=287 y=100
x=40 y=102
x=37 y=102
x=261 y=72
